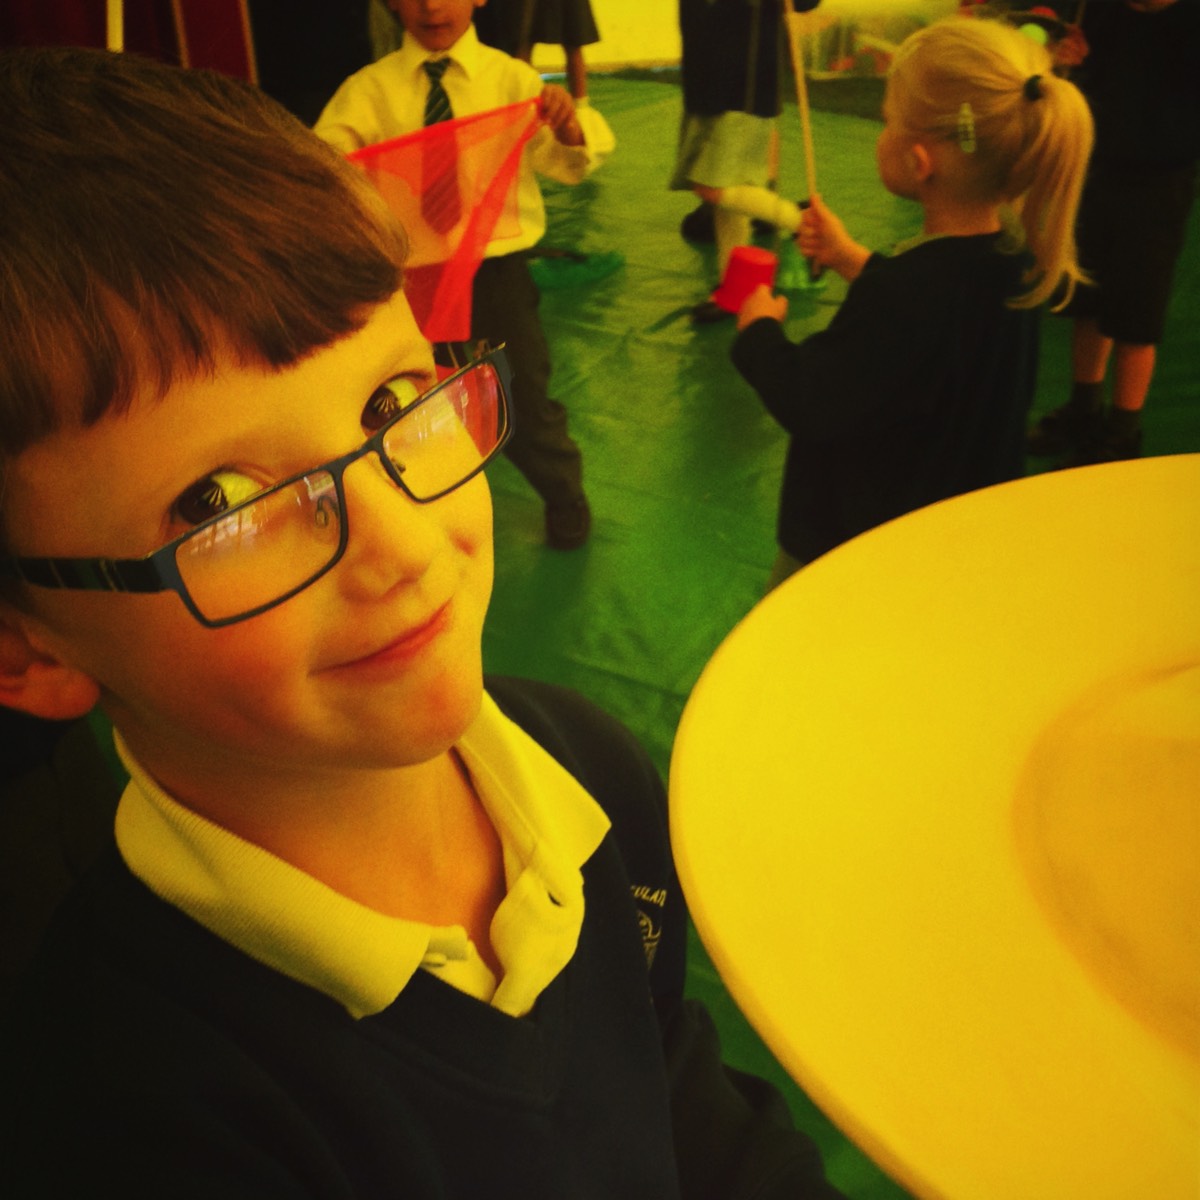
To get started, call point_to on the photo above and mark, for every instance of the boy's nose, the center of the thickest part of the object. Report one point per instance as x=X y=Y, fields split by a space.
x=392 y=538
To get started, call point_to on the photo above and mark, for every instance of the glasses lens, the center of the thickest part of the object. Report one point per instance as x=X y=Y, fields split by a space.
x=450 y=434
x=263 y=550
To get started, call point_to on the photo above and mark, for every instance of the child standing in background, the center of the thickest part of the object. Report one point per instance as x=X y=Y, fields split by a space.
x=516 y=26
x=389 y=99
x=1139 y=67
x=730 y=68
x=920 y=387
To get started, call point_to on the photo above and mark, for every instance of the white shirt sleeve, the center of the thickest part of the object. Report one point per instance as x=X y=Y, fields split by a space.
x=571 y=164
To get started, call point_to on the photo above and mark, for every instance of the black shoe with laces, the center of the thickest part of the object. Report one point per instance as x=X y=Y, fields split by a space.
x=698 y=226
x=1116 y=437
x=1063 y=430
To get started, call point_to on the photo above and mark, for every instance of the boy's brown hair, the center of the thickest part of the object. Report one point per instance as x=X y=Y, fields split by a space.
x=153 y=216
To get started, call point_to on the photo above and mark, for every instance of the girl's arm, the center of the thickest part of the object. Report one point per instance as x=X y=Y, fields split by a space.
x=820 y=235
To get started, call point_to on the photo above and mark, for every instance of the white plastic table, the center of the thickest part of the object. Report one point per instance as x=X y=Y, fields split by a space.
x=936 y=810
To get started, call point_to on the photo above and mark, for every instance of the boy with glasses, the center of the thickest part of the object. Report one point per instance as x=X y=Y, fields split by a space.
x=367 y=928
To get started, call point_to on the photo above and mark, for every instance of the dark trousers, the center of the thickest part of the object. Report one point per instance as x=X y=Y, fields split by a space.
x=504 y=308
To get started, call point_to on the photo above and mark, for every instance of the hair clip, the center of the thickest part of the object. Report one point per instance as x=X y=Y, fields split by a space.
x=966 y=128
x=1033 y=88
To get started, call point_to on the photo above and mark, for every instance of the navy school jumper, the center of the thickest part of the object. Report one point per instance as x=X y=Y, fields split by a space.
x=148 y=1058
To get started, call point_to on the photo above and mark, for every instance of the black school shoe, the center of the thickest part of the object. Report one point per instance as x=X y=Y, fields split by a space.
x=1064 y=430
x=568 y=525
x=1116 y=436
x=697 y=226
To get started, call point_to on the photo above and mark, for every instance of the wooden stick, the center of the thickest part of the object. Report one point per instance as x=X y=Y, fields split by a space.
x=792 y=23
x=525 y=30
x=115 y=30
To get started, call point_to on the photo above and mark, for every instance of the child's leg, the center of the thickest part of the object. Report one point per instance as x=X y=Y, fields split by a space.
x=1090 y=350
x=1133 y=368
x=1090 y=353
x=1137 y=271
x=577 y=81
x=1121 y=434
x=760 y=204
x=505 y=309
x=1081 y=425
x=1097 y=436
x=1081 y=418
x=732 y=229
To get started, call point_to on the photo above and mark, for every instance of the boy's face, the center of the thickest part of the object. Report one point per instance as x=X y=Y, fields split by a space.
x=376 y=665
x=436 y=24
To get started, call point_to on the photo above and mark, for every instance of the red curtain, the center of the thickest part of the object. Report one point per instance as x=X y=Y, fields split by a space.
x=198 y=33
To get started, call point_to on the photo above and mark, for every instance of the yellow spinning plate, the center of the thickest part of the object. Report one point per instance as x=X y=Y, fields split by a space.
x=936 y=809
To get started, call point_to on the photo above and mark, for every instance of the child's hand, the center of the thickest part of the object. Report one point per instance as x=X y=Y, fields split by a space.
x=823 y=238
x=558 y=111
x=761 y=303
x=821 y=235
x=709 y=195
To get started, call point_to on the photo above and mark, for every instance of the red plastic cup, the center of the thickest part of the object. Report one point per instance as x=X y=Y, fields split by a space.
x=748 y=267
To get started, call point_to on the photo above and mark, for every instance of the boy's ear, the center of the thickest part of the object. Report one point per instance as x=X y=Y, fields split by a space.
x=35 y=682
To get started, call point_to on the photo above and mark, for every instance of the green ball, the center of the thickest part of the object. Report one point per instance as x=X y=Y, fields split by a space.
x=1036 y=32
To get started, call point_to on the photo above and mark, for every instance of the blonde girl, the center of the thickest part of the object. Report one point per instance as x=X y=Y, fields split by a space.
x=987 y=123
x=920 y=387
x=978 y=101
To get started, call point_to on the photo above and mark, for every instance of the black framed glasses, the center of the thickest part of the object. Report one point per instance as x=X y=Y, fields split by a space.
x=261 y=552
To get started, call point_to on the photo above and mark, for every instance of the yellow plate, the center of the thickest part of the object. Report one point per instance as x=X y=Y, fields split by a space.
x=934 y=804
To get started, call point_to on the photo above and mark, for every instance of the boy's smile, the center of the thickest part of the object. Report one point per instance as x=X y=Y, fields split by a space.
x=401 y=649
x=376 y=665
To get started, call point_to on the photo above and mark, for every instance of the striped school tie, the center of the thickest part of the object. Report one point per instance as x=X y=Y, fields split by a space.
x=437 y=103
x=441 y=202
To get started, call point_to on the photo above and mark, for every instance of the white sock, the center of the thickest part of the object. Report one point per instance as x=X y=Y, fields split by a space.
x=762 y=204
x=731 y=229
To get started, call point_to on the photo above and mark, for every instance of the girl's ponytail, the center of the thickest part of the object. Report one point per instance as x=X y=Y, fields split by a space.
x=1047 y=179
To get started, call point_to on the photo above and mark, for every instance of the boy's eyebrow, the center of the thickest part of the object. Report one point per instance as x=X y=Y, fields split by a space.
x=396 y=369
x=411 y=361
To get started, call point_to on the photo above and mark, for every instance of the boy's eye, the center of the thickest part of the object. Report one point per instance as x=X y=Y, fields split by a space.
x=389 y=400
x=213 y=495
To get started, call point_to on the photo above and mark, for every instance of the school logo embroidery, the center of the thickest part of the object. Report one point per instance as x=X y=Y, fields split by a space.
x=649 y=922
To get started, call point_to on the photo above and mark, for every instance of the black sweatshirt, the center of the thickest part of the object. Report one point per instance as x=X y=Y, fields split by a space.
x=149 y=1058
x=917 y=391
